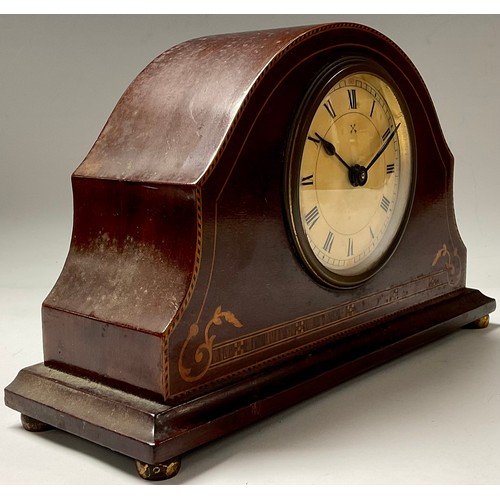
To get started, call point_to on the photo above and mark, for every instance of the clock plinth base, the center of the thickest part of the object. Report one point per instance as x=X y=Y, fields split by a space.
x=156 y=434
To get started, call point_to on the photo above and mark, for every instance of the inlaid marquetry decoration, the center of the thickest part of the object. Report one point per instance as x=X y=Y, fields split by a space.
x=194 y=369
x=451 y=262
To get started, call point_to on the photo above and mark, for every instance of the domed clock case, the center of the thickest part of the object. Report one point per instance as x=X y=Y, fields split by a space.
x=197 y=297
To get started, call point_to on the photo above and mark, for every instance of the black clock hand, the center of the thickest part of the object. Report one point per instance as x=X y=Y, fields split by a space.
x=331 y=151
x=382 y=148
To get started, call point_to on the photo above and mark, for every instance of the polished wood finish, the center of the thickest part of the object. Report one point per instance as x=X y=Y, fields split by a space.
x=173 y=222
x=183 y=306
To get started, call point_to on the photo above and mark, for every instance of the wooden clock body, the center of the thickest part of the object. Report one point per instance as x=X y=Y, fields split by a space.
x=183 y=311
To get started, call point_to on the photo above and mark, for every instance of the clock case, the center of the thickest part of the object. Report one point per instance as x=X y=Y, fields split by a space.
x=183 y=311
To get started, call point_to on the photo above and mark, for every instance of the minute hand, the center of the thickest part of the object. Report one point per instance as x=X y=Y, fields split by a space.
x=382 y=148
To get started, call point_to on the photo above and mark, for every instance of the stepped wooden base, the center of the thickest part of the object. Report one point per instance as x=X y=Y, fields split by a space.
x=155 y=434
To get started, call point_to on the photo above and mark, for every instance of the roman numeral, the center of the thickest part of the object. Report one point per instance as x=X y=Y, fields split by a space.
x=386 y=134
x=385 y=204
x=390 y=168
x=329 y=107
x=307 y=181
x=312 y=217
x=327 y=247
x=350 y=248
x=313 y=139
x=371 y=233
x=373 y=108
x=352 y=98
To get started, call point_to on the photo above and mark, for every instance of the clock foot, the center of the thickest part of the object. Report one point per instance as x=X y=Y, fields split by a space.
x=158 y=472
x=481 y=322
x=34 y=425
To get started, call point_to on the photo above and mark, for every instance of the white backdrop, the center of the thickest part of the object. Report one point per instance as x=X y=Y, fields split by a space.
x=432 y=417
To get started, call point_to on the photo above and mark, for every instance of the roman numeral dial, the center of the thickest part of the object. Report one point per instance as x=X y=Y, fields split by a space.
x=351 y=177
x=352 y=98
x=329 y=107
x=312 y=217
x=308 y=180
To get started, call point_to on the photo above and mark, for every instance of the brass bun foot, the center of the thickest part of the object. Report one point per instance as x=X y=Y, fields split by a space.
x=481 y=322
x=34 y=425
x=158 y=472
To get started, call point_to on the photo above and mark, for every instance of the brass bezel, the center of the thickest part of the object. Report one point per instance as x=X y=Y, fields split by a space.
x=320 y=87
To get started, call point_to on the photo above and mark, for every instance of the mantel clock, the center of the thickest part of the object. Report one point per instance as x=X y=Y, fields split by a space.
x=263 y=216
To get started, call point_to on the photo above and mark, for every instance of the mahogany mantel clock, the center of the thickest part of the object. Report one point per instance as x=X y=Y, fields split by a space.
x=263 y=216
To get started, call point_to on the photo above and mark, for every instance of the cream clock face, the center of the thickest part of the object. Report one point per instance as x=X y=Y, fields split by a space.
x=351 y=179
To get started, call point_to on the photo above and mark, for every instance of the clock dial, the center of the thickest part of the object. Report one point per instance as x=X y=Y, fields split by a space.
x=350 y=177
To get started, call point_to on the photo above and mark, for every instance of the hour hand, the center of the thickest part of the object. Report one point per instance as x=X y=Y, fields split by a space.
x=331 y=151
